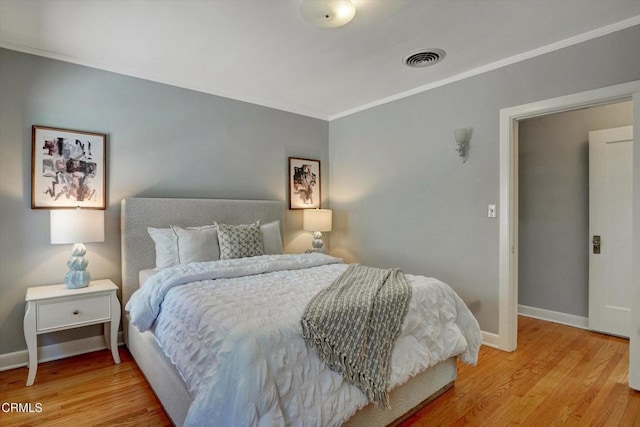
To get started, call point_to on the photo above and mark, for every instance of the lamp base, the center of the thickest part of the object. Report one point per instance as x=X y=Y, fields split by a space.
x=77 y=276
x=75 y=279
x=317 y=243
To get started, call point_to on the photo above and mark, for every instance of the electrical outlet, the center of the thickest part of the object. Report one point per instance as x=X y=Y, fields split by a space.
x=491 y=211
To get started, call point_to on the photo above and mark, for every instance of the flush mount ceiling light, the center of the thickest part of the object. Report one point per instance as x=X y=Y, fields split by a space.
x=327 y=13
x=424 y=57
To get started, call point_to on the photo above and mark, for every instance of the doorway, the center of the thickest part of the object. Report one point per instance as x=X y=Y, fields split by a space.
x=508 y=209
x=553 y=211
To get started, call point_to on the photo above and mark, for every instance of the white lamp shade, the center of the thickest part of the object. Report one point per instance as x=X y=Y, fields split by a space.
x=77 y=226
x=317 y=220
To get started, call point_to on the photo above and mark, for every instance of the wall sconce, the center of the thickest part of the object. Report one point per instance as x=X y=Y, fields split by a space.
x=462 y=136
x=77 y=226
x=316 y=220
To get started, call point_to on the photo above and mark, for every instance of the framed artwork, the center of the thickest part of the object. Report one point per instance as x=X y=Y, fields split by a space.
x=304 y=183
x=68 y=169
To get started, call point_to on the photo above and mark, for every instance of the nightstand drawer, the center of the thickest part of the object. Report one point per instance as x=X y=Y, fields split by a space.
x=73 y=312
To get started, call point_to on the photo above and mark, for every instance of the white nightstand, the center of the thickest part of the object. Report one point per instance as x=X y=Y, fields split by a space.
x=56 y=308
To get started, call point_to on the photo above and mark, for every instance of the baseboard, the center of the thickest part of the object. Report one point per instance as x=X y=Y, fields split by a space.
x=493 y=340
x=490 y=340
x=51 y=352
x=554 y=316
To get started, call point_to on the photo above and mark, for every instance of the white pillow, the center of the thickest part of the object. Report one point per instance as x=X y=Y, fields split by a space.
x=197 y=244
x=166 y=246
x=271 y=238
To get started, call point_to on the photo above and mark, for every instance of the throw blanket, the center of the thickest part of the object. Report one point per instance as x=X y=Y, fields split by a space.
x=354 y=323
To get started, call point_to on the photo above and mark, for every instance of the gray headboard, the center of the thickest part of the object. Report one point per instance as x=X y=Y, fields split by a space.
x=138 y=251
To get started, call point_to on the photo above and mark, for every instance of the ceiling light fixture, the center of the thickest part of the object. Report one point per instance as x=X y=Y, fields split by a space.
x=327 y=13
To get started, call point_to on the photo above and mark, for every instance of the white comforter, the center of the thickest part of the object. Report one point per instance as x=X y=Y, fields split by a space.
x=232 y=329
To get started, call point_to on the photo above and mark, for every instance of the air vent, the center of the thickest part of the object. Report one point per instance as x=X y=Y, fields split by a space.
x=424 y=57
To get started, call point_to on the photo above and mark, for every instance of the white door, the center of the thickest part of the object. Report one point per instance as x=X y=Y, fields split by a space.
x=610 y=199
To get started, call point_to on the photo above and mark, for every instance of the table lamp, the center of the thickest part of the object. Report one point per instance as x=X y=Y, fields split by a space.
x=316 y=220
x=77 y=226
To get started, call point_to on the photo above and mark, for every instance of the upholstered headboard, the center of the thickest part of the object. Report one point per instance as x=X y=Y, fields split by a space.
x=138 y=250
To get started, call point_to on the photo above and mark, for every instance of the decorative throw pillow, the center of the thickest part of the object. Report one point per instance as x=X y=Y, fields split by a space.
x=166 y=243
x=271 y=238
x=240 y=241
x=197 y=244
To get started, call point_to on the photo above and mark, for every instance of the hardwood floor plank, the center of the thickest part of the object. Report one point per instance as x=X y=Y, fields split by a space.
x=588 y=374
x=551 y=368
x=601 y=408
x=86 y=390
x=558 y=376
x=631 y=416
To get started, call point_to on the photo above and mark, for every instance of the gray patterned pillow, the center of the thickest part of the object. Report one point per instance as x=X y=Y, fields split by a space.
x=240 y=241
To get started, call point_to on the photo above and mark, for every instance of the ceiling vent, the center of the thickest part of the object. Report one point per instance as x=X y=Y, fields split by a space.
x=424 y=57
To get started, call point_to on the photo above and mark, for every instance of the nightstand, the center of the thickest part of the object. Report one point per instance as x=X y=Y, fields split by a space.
x=57 y=308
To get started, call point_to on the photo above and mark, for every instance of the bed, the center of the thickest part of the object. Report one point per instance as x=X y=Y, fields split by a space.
x=173 y=386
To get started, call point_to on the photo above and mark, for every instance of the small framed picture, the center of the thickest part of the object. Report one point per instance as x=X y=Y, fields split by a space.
x=304 y=183
x=68 y=169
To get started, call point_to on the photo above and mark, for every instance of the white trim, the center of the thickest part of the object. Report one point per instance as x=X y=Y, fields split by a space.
x=599 y=32
x=508 y=268
x=298 y=109
x=507 y=257
x=51 y=352
x=634 y=339
x=554 y=316
x=490 y=340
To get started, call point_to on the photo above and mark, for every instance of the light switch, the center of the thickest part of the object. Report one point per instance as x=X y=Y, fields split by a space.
x=491 y=211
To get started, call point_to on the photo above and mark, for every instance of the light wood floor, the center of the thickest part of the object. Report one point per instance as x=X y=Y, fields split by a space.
x=558 y=376
x=86 y=390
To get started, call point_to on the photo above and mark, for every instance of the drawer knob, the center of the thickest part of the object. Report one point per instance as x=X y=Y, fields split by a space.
x=76 y=312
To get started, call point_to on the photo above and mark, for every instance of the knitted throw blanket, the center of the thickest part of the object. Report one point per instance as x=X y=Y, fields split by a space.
x=354 y=323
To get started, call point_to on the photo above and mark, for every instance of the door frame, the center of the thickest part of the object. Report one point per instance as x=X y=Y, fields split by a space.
x=508 y=209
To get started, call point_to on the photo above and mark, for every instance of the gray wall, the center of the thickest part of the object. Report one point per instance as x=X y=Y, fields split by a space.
x=400 y=194
x=553 y=262
x=162 y=141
